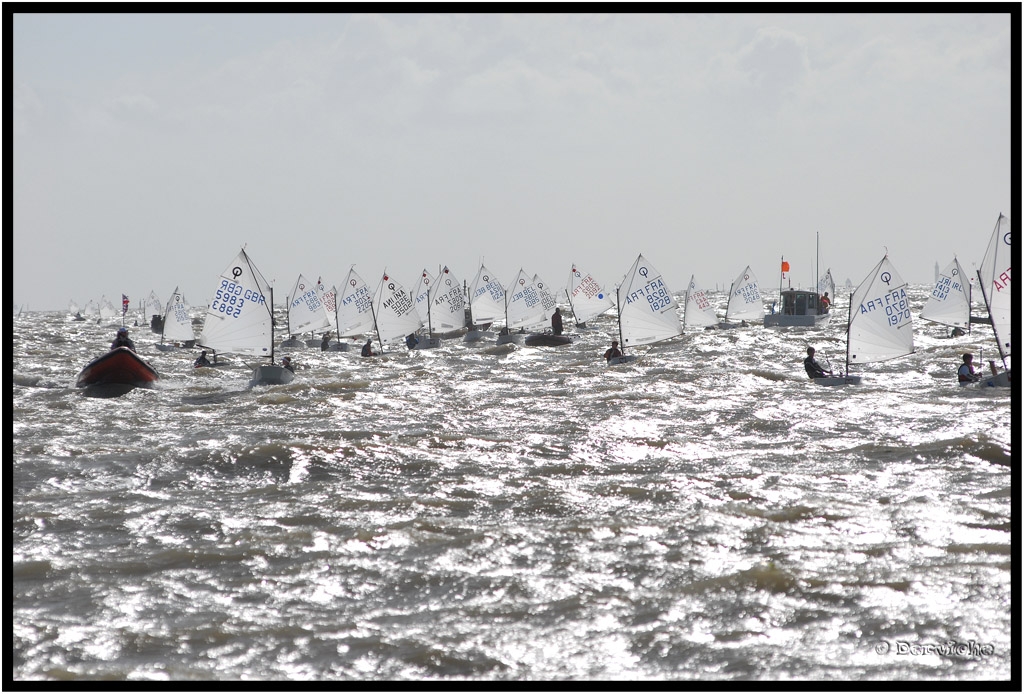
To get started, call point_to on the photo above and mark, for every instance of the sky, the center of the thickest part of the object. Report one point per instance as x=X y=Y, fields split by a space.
x=149 y=148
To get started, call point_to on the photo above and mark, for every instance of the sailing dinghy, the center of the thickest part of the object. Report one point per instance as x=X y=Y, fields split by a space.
x=880 y=325
x=587 y=299
x=745 y=301
x=354 y=316
x=240 y=320
x=994 y=281
x=698 y=310
x=486 y=304
x=176 y=325
x=446 y=310
x=950 y=300
x=523 y=307
x=306 y=312
x=647 y=309
x=394 y=312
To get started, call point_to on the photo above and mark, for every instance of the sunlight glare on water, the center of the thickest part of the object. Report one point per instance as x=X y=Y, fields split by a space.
x=496 y=513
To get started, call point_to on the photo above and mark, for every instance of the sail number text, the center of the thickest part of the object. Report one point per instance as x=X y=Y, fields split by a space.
x=231 y=297
x=656 y=294
x=895 y=305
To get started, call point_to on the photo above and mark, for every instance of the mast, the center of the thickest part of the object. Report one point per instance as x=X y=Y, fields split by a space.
x=849 y=322
x=984 y=295
x=781 y=273
x=622 y=343
x=272 y=325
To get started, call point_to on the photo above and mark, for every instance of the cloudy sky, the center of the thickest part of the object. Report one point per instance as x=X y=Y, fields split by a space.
x=149 y=148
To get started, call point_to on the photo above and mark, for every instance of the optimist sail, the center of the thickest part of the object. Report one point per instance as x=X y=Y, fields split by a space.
x=354 y=306
x=446 y=303
x=950 y=301
x=177 y=321
x=647 y=309
x=881 y=327
x=394 y=313
x=827 y=284
x=421 y=288
x=107 y=309
x=523 y=303
x=153 y=305
x=745 y=301
x=994 y=276
x=306 y=310
x=698 y=310
x=486 y=297
x=240 y=317
x=547 y=299
x=587 y=298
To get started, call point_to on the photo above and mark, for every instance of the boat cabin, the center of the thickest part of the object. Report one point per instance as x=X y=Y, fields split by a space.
x=799 y=308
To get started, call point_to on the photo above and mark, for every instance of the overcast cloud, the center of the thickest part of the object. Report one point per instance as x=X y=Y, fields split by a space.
x=149 y=148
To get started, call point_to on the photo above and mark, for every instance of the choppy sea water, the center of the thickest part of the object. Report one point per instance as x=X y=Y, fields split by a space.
x=492 y=513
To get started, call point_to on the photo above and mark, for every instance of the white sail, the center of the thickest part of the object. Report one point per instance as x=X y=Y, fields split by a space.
x=306 y=310
x=647 y=309
x=107 y=309
x=698 y=309
x=394 y=313
x=523 y=305
x=330 y=297
x=881 y=326
x=950 y=300
x=177 y=321
x=547 y=299
x=587 y=298
x=421 y=290
x=994 y=276
x=240 y=319
x=827 y=284
x=355 y=306
x=745 y=301
x=486 y=297
x=73 y=307
x=153 y=305
x=90 y=308
x=446 y=303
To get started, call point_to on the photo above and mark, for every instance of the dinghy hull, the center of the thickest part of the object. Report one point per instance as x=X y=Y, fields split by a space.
x=271 y=375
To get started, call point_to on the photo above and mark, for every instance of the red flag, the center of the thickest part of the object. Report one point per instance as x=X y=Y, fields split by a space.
x=785 y=266
x=124 y=304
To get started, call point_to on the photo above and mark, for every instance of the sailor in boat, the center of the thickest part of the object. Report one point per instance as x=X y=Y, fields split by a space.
x=326 y=344
x=287 y=363
x=201 y=360
x=965 y=374
x=825 y=302
x=122 y=340
x=410 y=341
x=613 y=351
x=368 y=348
x=556 y=321
x=812 y=367
x=957 y=331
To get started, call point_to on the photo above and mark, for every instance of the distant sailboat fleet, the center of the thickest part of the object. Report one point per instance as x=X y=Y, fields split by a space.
x=239 y=319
